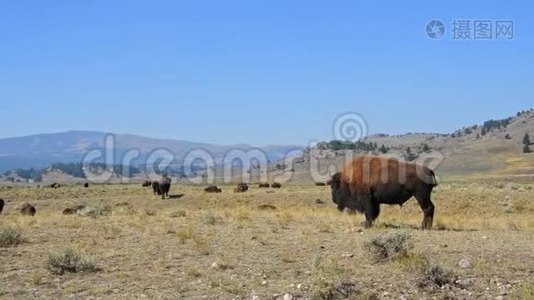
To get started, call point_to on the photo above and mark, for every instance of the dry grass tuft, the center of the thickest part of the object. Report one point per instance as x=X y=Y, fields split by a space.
x=96 y=211
x=151 y=212
x=526 y=291
x=330 y=281
x=411 y=261
x=437 y=275
x=37 y=278
x=284 y=219
x=178 y=213
x=211 y=219
x=184 y=234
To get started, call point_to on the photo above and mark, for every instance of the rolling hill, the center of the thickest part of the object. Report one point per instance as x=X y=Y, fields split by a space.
x=494 y=148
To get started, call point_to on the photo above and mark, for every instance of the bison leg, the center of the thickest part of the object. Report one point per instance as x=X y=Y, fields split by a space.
x=428 y=209
x=371 y=211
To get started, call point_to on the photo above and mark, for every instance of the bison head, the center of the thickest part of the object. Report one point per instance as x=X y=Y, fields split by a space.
x=341 y=194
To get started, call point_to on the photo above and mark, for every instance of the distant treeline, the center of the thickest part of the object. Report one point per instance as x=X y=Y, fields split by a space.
x=73 y=169
x=349 y=145
x=77 y=170
x=495 y=124
x=486 y=127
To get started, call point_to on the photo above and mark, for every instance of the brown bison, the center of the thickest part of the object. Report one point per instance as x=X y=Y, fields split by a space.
x=241 y=188
x=1 y=205
x=263 y=185
x=276 y=185
x=28 y=210
x=69 y=211
x=86 y=185
x=320 y=184
x=212 y=189
x=369 y=181
x=162 y=187
x=74 y=209
x=55 y=185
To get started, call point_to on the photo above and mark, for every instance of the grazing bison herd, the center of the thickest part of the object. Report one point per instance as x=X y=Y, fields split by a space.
x=362 y=185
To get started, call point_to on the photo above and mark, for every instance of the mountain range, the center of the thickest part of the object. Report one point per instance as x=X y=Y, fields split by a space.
x=42 y=150
x=495 y=147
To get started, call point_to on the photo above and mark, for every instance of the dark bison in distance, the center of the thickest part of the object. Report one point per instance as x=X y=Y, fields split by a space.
x=28 y=210
x=320 y=184
x=1 y=205
x=369 y=181
x=263 y=185
x=162 y=187
x=276 y=185
x=241 y=188
x=147 y=184
x=73 y=210
x=212 y=189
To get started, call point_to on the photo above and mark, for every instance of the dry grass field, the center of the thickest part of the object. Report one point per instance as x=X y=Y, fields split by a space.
x=288 y=243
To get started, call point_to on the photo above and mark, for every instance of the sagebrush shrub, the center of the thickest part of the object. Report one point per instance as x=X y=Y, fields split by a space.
x=388 y=246
x=9 y=237
x=68 y=260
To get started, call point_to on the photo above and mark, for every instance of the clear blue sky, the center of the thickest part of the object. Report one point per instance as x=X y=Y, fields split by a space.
x=259 y=72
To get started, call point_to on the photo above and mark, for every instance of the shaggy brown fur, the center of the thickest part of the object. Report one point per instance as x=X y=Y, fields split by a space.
x=368 y=181
x=367 y=172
